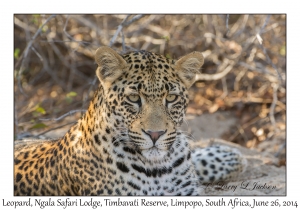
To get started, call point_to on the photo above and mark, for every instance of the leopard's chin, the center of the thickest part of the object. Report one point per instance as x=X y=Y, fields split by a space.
x=154 y=154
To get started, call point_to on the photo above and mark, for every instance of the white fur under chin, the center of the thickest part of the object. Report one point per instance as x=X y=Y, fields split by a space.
x=154 y=155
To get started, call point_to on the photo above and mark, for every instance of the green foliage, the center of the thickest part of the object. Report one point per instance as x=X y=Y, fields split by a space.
x=38 y=126
x=167 y=38
x=35 y=19
x=282 y=50
x=45 y=28
x=168 y=56
x=38 y=110
x=70 y=96
x=17 y=53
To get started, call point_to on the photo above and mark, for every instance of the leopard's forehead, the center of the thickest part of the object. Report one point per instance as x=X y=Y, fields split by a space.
x=150 y=72
x=147 y=57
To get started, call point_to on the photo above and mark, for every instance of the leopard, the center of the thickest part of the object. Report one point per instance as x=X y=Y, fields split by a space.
x=129 y=141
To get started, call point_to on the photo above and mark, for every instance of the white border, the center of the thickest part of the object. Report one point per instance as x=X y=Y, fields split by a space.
x=154 y=6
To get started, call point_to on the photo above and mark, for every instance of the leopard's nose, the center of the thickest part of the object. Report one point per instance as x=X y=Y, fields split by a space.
x=154 y=135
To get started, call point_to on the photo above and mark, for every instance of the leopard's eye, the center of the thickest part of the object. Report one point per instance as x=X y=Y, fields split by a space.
x=134 y=98
x=171 y=98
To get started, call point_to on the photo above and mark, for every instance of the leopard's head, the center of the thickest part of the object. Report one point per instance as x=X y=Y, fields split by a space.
x=146 y=96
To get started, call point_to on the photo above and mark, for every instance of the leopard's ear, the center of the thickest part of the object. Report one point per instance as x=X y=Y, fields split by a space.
x=110 y=65
x=188 y=66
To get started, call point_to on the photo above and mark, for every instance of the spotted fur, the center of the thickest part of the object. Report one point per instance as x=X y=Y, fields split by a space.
x=128 y=142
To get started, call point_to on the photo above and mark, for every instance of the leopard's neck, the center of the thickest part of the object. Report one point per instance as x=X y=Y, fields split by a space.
x=95 y=131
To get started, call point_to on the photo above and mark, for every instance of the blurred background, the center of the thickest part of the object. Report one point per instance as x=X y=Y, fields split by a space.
x=239 y=96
